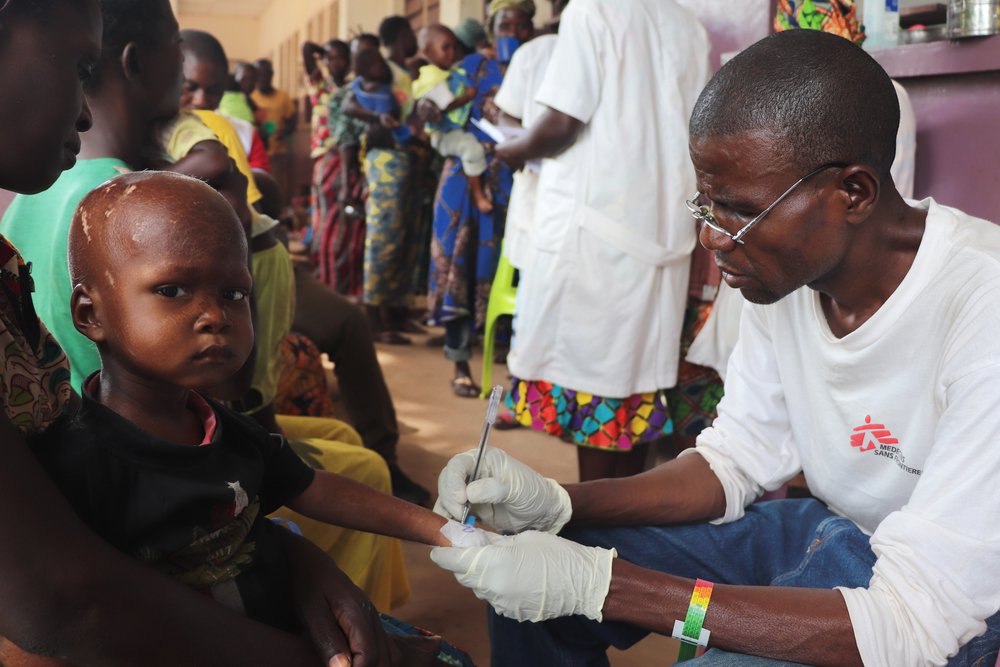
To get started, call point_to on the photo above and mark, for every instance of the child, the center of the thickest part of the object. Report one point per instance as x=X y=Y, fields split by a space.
x=161 y=285
x=449 y=90
x=373 y=101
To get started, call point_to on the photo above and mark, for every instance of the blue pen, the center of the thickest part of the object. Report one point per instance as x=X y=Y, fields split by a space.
x=491 y=418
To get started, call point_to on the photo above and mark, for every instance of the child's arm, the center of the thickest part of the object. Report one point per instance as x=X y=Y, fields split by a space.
x=355 y=110
x=207 y=161
x=463 y=99
x=339 y=500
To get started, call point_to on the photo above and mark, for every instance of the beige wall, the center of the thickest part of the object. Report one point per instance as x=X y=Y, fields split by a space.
x=278 y=32
x=239 y=35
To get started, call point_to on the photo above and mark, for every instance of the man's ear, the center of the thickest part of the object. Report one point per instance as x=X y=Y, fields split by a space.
x=130 y=61
x=85 y=306
x=860 y=186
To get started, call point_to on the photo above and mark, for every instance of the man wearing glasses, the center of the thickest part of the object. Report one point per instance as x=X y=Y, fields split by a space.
x=868 y=358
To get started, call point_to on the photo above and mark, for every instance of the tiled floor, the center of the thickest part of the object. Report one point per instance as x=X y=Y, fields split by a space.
x=435 y=426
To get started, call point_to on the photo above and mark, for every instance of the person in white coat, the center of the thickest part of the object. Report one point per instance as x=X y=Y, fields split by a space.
x=868 y=359
x=598 y=328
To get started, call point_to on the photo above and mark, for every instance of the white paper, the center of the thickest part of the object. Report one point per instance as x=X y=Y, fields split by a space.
x=497 y=134
x=440 y=95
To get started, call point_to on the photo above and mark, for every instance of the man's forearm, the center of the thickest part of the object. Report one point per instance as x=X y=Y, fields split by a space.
x=810 y=626
x=553 y=133
x=681 y=490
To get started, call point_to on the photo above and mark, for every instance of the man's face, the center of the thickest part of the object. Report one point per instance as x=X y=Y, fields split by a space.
x=44 y=63
x=513 y=23
x=161 y=76
x=265 y=75
x=408 y=42
x=204 y=84
x=800 y=242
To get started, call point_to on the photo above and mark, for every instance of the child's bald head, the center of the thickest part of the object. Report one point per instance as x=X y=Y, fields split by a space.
x=145 y=212
x=160 y=281
x=439 y=45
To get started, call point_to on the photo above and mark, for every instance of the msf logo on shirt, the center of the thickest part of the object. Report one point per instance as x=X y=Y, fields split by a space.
x=878 y=440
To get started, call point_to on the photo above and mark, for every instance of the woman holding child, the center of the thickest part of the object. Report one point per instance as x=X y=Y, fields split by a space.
x=64 y=593
x=62 y=587
x=466 y=244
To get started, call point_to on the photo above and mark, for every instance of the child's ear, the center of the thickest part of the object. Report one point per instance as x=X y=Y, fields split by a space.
x=130 y=60
x=85 y=305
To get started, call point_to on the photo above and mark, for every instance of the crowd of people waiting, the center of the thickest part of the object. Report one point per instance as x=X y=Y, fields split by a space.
x=171 y=415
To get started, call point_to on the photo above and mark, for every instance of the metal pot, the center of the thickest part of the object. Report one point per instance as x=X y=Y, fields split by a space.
x=973 y=18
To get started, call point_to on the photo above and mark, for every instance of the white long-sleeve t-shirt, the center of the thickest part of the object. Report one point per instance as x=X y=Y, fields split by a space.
x=896 y=426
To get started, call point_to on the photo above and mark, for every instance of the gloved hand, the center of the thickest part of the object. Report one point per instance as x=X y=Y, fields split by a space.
x=533 y=576
x=463 y=535
x=508 y=495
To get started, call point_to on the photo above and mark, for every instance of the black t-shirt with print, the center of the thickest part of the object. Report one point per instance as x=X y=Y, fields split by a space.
x=196 y=513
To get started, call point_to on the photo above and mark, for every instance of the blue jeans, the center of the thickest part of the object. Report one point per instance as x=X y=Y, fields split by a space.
x=797 y=543
x=458 y=339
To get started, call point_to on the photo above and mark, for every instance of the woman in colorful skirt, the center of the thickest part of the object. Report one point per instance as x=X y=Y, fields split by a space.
x=465 y=248
x=332 y=140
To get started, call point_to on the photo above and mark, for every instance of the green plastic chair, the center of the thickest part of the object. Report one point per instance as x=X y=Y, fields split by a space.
x=502 y=295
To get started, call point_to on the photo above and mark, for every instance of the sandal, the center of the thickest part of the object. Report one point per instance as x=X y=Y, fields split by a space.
x=464 y=387
x=392 y=338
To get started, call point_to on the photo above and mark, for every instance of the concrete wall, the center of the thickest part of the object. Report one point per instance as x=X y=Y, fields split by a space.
x=239 y=35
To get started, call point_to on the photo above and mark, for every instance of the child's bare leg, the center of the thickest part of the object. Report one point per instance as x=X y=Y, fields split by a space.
x=483 y=203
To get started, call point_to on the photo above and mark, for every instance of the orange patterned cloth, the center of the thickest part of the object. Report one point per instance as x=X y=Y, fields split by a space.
x=302 y=388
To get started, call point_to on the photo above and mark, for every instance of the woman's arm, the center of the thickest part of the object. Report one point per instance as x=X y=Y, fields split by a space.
x=61 y=587
x=342 y=501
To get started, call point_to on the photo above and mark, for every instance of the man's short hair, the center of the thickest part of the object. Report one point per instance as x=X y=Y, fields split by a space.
x=391 y=28
x=204 y=47
x=821 y=95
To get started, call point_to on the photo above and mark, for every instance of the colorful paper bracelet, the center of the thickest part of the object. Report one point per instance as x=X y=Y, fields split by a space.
x=689 y=631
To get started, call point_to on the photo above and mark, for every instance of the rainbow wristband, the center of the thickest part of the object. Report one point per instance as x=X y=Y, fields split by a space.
x=689 y=631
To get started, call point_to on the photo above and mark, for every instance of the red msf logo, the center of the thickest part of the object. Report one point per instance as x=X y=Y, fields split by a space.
x=870 y=436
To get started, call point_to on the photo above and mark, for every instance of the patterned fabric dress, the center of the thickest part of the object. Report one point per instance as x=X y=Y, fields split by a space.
x=619 y=424
x=465 y=248
x=839 y=17
x=390 y=245
x=340 y=239
x=35 y=388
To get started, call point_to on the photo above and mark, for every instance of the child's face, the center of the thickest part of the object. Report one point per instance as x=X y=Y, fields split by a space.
x=44 y=62
x=173 y=294
x=204 y=84
x=441 y=49
x=377 y=72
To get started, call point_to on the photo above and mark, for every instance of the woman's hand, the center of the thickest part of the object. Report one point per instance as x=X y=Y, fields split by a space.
x=388 y=120
x=344 y=626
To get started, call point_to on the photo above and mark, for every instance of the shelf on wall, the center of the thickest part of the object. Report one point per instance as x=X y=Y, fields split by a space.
x=963 y=56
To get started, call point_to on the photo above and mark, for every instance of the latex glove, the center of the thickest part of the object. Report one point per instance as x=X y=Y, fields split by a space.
x=533 y=576
x=508 y=495
x=464 y=535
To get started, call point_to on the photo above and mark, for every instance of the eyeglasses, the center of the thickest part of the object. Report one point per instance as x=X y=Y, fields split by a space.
x=704 y=214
